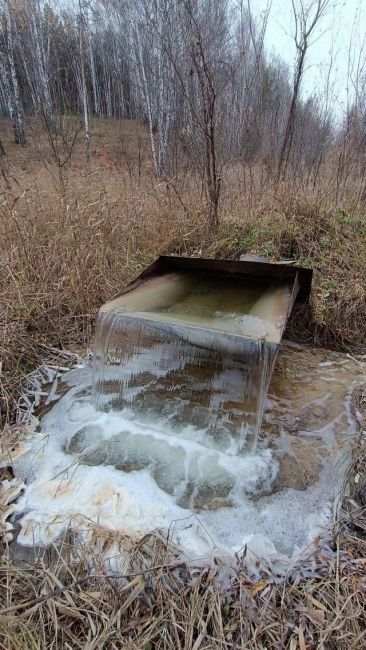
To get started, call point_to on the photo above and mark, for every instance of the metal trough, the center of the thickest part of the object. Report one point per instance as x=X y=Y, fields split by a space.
x=158 y=357
x=299 y=277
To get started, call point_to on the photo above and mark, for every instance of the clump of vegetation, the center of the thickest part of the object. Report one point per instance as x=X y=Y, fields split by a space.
x=333 y=244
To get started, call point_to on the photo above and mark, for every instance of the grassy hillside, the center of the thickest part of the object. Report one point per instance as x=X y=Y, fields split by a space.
x=67 y=245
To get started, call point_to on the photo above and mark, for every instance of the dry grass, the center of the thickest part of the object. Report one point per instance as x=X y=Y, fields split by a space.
x=63 y=253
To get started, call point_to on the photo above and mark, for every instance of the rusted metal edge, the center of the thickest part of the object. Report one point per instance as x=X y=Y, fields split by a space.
x=300 y=277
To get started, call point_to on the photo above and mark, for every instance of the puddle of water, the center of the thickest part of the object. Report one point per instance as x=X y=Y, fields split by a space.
x=135 y=476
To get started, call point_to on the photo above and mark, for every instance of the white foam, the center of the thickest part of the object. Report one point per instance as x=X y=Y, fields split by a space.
x=60 y=490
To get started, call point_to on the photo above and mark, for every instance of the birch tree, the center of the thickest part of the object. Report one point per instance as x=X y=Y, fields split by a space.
x=306 y=15
x=94 y=77
x=82 y=18
x=10 y=79
x=149 y=23
x=40 y=49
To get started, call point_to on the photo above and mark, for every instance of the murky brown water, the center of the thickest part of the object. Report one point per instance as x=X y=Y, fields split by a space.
x=308 y=419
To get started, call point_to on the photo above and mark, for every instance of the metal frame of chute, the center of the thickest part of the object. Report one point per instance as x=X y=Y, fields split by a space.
x=298 y=277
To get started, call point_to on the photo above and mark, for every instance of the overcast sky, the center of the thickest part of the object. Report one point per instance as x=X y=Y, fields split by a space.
x=345 y=22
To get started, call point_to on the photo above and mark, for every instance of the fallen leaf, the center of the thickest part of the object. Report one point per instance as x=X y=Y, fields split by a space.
x=68 y=611
x=316 y=616
x=14 y=202
x=257 y=587
x=316 y=602
x=301 y=638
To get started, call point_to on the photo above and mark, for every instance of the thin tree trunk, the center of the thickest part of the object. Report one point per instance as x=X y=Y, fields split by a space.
x=83 y=84
x=304 y=26
x=44 y=99
x=148 y=104
x=96 y=93
x=289 y=132
x=15 y=106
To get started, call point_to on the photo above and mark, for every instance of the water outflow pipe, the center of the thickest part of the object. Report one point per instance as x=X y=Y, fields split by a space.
x=192 y=343
x=250 y=268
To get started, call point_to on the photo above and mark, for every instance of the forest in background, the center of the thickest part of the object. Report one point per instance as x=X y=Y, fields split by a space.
x=197 y=74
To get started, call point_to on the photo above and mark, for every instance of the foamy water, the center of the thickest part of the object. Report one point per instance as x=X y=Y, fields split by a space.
x=85 y=466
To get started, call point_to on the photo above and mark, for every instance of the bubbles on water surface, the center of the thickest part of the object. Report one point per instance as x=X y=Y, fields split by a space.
x=196 y=477
x=130 y=475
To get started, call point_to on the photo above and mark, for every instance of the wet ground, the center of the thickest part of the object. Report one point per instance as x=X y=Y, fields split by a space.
x=308 y=418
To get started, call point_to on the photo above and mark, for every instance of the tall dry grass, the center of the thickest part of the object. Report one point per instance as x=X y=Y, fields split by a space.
x=160 y=603
x=65 y=249
x=63 y=253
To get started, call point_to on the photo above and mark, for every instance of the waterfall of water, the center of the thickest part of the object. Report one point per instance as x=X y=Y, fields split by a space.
x=186 y=363
x=199 y=383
